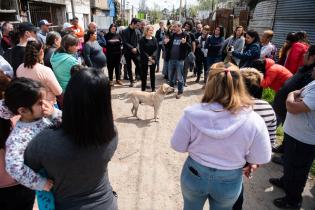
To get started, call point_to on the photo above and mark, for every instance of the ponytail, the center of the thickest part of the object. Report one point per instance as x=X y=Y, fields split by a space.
x=32 y=51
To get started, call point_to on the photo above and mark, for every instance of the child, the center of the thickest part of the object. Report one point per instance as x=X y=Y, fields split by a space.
x=24 y=97
x=199 y=60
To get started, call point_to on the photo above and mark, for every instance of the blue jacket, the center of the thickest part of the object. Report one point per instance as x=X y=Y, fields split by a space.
x=250 y=53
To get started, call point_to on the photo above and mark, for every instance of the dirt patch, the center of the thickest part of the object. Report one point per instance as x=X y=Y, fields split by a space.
x=145 y=171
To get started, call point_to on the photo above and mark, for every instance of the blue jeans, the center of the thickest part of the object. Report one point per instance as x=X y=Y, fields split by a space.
x=210 y=61
x=165 y=68
x=220 y=187
x=176 y=73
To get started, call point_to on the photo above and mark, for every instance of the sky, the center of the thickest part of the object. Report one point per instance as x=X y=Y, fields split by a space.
x=162 y=3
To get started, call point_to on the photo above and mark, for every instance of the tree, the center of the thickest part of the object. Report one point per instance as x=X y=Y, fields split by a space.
x=206 y=4
x=192 y=11
x=155 y=13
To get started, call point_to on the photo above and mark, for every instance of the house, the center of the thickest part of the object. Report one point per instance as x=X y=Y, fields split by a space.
x=284 y=16
x=100 y=13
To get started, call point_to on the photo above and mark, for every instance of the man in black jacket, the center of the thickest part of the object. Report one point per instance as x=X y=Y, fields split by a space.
x=131 y=37
x=177 y=49
x=299 y=80
x=159 y=35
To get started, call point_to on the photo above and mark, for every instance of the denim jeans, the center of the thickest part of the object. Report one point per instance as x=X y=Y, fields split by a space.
x=176 y=73
x=199 y=183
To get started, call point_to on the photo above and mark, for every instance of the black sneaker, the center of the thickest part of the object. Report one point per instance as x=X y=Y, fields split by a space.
x=276 y=182
x=277 y=160
x=132 y=84
x=278 y=149
x=282 y=203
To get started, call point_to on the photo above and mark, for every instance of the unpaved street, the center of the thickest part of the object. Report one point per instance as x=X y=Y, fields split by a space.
x=145 y=171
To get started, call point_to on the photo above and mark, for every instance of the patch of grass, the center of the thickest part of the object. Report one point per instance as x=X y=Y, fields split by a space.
x=268 y=95
x=313 y=169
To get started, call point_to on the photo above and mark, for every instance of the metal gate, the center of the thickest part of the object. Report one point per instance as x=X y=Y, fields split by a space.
x=54 y=13
x=292 y=16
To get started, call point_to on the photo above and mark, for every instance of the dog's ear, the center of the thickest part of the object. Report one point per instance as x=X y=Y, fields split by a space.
x=163 y=88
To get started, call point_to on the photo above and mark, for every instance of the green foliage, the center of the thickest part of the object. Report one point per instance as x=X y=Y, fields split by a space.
x=313 y=169
x=268 y=95
x=206 y=4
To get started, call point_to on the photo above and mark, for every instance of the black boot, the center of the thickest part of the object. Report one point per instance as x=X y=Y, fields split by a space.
x=198 y=78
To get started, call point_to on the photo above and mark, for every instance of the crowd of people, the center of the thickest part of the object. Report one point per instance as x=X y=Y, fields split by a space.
x=43 y=72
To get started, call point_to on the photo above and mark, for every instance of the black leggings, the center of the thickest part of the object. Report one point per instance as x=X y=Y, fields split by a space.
x=144 y=75
x=16 y=198
x=113 y=62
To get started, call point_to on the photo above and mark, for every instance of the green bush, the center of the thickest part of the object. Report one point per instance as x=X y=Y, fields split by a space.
x=268 y=95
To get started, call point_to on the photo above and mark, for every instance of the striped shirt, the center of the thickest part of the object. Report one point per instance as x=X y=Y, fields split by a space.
x=265 y=110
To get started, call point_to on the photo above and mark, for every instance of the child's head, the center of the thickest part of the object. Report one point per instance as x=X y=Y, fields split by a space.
x=24 y=97
x=76 y=68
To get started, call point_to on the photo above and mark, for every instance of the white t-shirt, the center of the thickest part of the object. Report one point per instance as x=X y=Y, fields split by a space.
x=302 y=126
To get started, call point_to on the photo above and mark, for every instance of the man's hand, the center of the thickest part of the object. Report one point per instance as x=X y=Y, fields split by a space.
x=134 y=50
x=184 y=40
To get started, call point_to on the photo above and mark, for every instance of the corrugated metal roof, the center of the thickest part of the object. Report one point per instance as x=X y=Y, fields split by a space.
x=263 y=16
x=294 y=16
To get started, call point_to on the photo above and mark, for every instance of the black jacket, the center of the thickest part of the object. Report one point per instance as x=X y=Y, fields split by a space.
x=299 y=80
x=131 y=39
x=158 y=37
x=184 y=48
x=148 y=48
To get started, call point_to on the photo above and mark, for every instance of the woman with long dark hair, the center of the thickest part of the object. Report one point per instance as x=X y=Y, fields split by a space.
x=76 y=154
x=64 y=58
x=251 y=51
x=235 y=42
x=33 y=69
x=214 y=44
x=53 y=42
x=92 y=51
x=114 y=44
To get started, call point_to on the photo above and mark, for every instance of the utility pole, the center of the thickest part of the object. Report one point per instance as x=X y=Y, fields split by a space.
x=132 y=11
x=180 y=10
x=72 y=7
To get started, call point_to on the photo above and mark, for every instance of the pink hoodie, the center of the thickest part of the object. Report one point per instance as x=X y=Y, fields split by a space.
x=218 y=139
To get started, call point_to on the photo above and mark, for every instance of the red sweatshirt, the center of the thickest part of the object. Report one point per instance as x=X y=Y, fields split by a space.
x=295 y=57
x=275 y=75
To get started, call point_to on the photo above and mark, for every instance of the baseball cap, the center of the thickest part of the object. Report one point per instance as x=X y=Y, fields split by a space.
x=26 y=26
x=44 y=22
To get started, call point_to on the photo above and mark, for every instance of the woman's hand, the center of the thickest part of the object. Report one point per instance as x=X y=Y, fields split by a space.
x=249 y=170
x=49 y=184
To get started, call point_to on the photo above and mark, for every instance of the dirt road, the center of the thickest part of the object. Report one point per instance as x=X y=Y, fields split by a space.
x=145 y=171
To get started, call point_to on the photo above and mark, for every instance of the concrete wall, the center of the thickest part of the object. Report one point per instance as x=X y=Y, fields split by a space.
x=82 y=11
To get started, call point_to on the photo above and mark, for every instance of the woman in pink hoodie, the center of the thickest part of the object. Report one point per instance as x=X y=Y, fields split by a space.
x=221 y=134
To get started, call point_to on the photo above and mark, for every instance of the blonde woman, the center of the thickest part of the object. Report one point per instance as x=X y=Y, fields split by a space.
x=221 y=134
x=148 y=54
